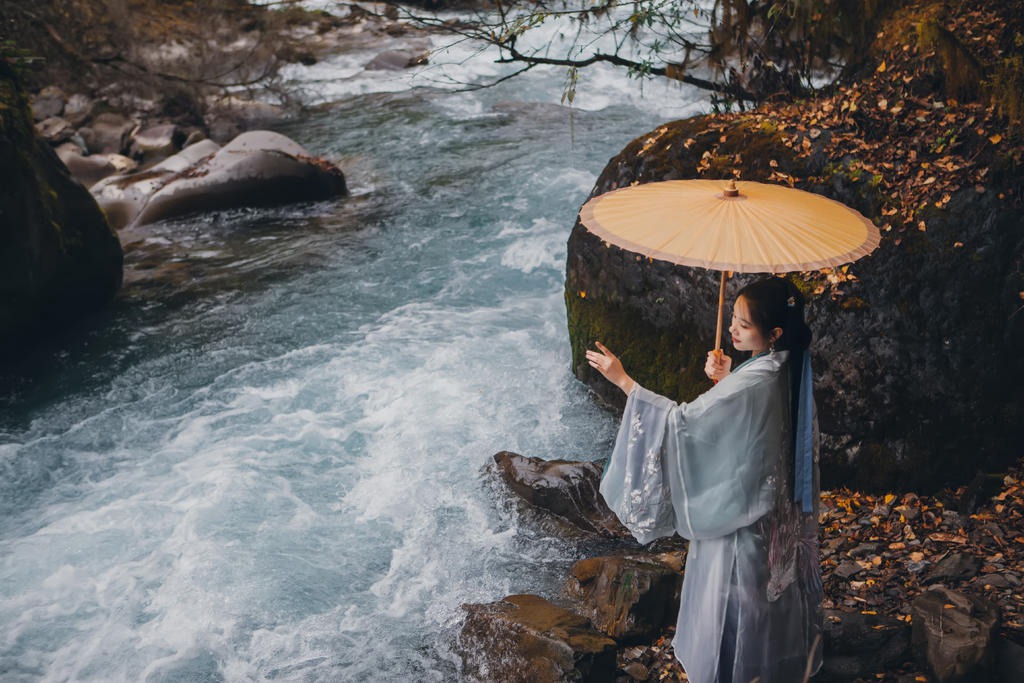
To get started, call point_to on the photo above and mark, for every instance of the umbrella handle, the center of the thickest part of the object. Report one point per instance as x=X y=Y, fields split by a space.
x=721 y=316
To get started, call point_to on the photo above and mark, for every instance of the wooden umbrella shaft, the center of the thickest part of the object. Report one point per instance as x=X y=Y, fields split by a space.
x=721 y=316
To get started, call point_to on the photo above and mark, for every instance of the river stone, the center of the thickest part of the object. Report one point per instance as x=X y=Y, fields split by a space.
x=48 y=103
x=907 y=395
x=395 y=60
x=87 y=170
x=566 y=488
x=59 y=259
x=857 y=645
x=954 y=634
x=629 y=599
x=78 y=109
x=122 y=197
x=156 y=142
x=527 y=638
x=108 y=134
x=55 y=130
x=258 y=168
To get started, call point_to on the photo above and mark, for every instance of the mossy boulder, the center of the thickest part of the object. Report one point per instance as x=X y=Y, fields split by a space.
x=918 y=351
x=59 y=258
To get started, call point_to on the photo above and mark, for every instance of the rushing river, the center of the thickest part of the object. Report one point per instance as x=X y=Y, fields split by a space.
x=271 y=468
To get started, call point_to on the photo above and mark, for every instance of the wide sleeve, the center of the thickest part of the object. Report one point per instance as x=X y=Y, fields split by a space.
x=705 y=468
x=633 y=484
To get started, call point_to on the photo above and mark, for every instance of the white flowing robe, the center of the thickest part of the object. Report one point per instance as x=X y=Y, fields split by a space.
x=717 y=471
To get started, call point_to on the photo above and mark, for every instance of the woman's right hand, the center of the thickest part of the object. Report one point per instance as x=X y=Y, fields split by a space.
x=718 y=366
x=609 y=365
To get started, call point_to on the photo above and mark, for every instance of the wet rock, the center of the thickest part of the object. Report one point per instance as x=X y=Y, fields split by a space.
x=527 y=638
x=156 y=142
x=952 y=568
x=857 y=645
x=629 y=599
x=59 y=258
x=55 y=130
x=259 y=168
x=396 y=60
x=78 y=110
x=108 y=134
x=568 y=489
x=49 y=103
x=87 y=170
x=954 y=634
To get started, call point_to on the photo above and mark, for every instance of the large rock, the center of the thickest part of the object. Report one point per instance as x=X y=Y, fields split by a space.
x=527 y=638
x=59 y=258
x=917 y=363
x=954 y=634
x=858 y=646
x=630 y=599
x=258 y=168
x=566 y=488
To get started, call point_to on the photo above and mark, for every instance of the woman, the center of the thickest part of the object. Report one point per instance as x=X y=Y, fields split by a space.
x=735 y=472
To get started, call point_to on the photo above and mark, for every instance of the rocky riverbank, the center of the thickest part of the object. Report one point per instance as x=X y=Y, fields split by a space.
x=918 y=588
x=157 y=124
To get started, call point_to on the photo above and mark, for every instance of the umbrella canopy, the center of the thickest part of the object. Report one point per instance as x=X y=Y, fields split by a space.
x=747 y=227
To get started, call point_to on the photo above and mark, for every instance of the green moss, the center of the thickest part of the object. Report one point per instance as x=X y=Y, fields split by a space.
x=667 y=361
x=1005 y=88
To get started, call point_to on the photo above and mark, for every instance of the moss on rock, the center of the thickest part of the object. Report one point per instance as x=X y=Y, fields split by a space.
x=59 y=258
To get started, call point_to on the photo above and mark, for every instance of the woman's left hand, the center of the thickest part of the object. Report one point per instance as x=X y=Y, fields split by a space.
x=609 y=365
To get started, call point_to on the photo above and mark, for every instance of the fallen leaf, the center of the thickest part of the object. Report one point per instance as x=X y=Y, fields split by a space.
x=995 y=139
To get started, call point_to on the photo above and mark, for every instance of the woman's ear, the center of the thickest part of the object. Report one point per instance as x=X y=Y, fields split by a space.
x=776 y=333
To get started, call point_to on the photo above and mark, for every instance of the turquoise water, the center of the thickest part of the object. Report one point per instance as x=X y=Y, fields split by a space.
x=269 y=467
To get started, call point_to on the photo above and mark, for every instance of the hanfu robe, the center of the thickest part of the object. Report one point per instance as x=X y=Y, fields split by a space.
x=717 y=470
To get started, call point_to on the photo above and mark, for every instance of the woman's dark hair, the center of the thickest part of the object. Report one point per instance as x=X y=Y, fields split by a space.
x=775 y=302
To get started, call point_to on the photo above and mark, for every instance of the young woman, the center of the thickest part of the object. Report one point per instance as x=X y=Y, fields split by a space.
x=735 y=472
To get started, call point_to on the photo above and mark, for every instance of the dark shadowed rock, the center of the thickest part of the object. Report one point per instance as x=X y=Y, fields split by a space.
x=953 y=567
x=954 y=634
x=907 y=393
x=857 y=645
x=527 y=638
x=628 y=598
x=566 y=488
x=59 y=258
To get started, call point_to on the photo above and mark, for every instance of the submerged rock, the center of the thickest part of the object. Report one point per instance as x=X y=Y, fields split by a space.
x=527 y=638
x=566 y=488
x=59 y=259
x=258 y=168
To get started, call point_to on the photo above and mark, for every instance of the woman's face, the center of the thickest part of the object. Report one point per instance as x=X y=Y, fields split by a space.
x=745 y=334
